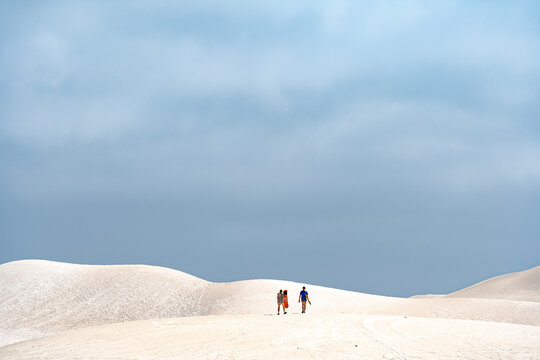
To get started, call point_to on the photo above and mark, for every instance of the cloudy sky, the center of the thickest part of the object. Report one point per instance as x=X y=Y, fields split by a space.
x=385 y=147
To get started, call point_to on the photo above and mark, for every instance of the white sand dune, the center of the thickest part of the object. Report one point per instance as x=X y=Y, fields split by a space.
x=76 y=305
x=523 y=285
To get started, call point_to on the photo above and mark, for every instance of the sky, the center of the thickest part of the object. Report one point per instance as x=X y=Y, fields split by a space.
x=386 y=147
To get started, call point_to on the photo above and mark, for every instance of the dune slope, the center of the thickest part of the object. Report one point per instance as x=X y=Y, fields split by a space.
x=523 y=285
x=43 y=297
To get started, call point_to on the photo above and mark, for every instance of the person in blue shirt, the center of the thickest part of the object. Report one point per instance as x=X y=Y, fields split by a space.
x=304 y=297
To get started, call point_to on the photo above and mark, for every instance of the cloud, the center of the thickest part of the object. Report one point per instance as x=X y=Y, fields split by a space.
x=383 y=52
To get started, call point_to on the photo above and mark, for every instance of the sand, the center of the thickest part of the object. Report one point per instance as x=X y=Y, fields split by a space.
x=52 y=310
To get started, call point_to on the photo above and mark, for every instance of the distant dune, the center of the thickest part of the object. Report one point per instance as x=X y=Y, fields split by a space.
x=41 y=298
x=523 y=286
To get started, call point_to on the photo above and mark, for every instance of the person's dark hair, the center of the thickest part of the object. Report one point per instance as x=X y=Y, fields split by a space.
x=303 y=288
x=280 y=290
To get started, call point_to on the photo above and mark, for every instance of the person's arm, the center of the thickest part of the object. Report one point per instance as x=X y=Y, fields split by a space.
x=299 y=296
x=307 y=298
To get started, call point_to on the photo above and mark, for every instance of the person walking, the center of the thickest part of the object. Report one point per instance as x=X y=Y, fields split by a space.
x=280 y=302
x=304 y=297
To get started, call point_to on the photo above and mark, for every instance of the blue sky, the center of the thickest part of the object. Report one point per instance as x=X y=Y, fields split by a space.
x=383 y=147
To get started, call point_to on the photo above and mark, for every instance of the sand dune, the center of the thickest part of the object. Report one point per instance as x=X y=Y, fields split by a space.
x=523 y=285
x=43 y=298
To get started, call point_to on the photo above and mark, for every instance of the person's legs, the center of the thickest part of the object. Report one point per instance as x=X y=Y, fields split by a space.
x=303 y=306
